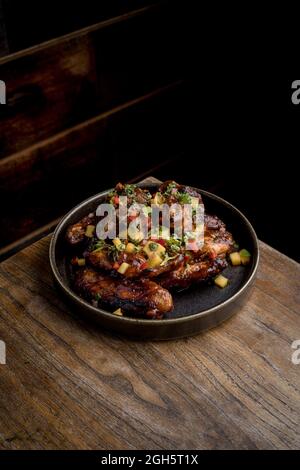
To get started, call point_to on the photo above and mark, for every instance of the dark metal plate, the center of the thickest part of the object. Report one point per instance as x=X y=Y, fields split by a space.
x=196 y=309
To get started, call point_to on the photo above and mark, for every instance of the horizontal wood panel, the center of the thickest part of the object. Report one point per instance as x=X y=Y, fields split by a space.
x=43 y=182
x=119 y=130
x=56 y=86
x=3 y=36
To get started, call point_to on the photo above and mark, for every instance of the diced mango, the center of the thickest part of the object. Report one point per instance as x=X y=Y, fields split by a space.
x=245 y=257
x=153 y=248
x=130 y=248
x=117 y=242
x=89 y=231
x=158 y=199
x=235 y=259
x=81 y=262
x=154 y=261
x=123 y=268
x=118 y=312
x=221 y=281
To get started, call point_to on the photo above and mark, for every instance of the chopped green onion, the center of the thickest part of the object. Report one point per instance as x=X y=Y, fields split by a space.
x=184 y=198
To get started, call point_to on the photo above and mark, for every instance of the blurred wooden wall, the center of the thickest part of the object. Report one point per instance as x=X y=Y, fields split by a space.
x=3 y=36
x=98 y=105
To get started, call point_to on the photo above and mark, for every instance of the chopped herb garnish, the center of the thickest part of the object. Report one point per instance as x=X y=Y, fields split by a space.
x=184 y=198
x=98 y=245
x=97 y=296
x=153 y=246
x=129 y=189
x=168 y=258
x=111 y=194
x=169 y=189
x=174 y=245
x=114 y=252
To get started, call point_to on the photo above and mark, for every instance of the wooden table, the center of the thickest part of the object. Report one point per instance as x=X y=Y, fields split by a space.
x=69 y=385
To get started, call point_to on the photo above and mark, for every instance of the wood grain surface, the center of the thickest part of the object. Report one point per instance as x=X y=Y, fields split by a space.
x=69 y=385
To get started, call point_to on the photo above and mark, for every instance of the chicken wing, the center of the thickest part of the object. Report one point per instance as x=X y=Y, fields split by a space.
x=137 y=263
x=142 y=297
x=76 y=232
x=189 y=274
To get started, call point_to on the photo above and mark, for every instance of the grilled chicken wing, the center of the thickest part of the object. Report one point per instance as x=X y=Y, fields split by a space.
x=217 y=240
x=205 y=263
x=134 y=194
x=173 y=192
x=139 y=297
x=137 y=263
x=192 y=273
x=172 y=266
x=76 y=232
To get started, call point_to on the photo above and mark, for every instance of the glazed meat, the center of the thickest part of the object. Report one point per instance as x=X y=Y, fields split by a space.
x=134 y=194
x=120 y=272
x=143 y=297
x=218 y=242
x=137 y=263
x=76 y=232
x=173 y=192
x=206 y=263
x=188 y=274
x=103 y=260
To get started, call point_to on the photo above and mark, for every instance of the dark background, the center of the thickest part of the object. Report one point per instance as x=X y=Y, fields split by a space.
x=229 y=128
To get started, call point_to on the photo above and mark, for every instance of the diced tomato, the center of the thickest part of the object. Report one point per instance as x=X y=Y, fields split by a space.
x=133 y=214
x=162 y=242
x=74 y=261
x=116 y=265
x=116 y=199
x=144 y=265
